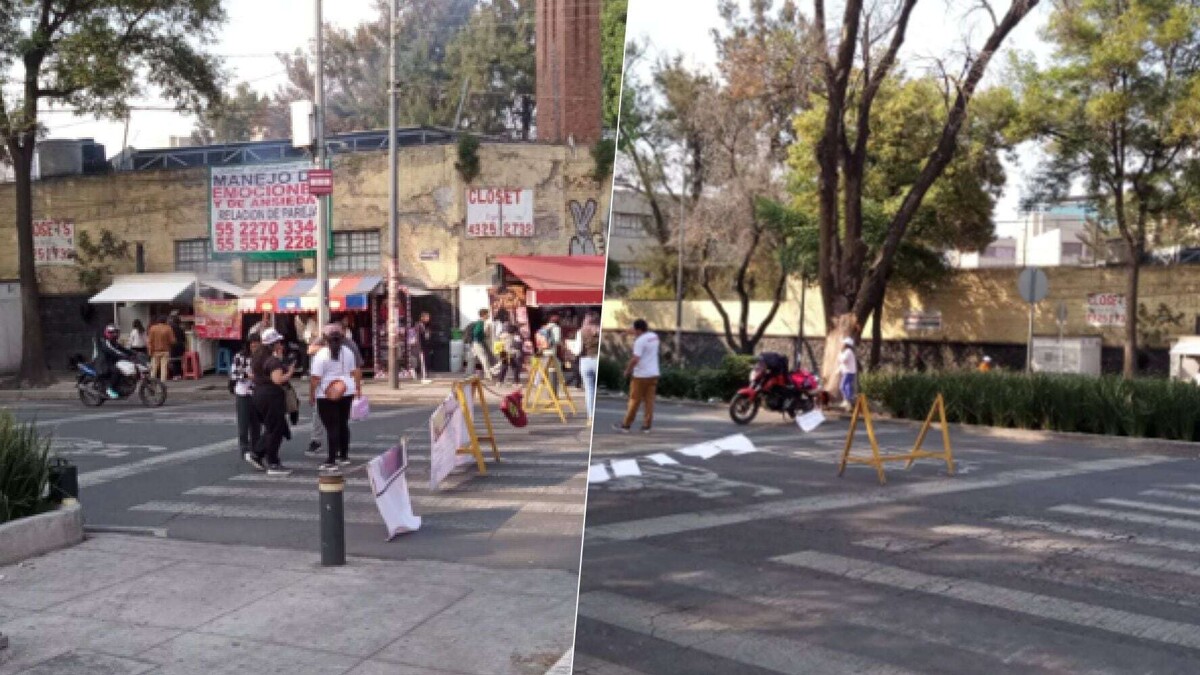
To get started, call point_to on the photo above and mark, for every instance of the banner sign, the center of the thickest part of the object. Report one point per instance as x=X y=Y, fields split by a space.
x=1106 y=310
x=916 y=322
x=447 y=433
x=217 y=319
x=388 y=483
x=499 y=212
x=53 y=242
x=262 y=208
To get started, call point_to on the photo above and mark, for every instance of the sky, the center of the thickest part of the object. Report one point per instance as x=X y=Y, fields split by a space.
x=935 y=31
x=254 y=32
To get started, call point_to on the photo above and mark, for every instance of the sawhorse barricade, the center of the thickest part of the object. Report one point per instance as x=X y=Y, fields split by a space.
x=462 y=393
x=542 y=391
x=877 y=459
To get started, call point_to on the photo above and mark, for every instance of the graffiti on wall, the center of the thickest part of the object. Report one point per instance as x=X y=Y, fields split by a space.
x=586 y=240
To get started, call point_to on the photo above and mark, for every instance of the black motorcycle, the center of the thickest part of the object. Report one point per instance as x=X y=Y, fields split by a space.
x=135 y=378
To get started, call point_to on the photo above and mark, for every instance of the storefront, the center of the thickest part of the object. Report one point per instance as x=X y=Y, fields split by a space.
x=145 y=297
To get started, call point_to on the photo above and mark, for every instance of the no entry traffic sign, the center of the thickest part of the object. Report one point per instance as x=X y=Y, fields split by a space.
x=320 y=182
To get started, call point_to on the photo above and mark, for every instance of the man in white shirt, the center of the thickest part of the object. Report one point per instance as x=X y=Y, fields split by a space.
x=642 y=373
x=848 y=367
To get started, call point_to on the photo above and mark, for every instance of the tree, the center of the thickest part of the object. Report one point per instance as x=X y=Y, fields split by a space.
x=244 y=115
x=94 y=57
x=1117 y=108
x=612 y=56
x=852 y=71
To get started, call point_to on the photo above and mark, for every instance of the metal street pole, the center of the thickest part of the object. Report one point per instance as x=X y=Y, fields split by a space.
x=393 y=231
x=322 y=202
x=1029 y=334
x=679 y=286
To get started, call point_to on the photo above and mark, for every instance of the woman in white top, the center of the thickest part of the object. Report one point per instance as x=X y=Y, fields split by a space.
x=137 y=337
x=335 y=381
x=848 y=367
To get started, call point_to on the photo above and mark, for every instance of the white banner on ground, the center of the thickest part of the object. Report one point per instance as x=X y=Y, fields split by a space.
x=447 y=433
x=810 y=420
x=390 y=487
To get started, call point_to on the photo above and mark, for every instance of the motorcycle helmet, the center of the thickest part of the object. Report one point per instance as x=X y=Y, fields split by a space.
x=111 y=332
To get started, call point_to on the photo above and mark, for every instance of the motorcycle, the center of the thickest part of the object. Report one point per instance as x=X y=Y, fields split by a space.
x=773 y=386
x=135 y=379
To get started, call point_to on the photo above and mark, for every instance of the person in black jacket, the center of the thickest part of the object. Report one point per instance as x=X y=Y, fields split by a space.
x=270 y=402
x=110 y=351
x=179 y=347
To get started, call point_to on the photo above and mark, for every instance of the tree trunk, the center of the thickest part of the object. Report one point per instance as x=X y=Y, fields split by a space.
x=1131 y=317
x=34 y=371
x=843 y=326
x=876 y=336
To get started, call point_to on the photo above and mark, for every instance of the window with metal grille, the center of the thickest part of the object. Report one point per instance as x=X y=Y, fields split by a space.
x=632 y=277
x=192 y=255
x=628 y=225
x=356 y=251
x=254 y=271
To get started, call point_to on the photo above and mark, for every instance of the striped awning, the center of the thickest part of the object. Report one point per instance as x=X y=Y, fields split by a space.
x=300 y=294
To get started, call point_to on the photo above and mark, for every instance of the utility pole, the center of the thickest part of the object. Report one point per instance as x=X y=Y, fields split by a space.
x=393 y=285
x=679 y=283
x=322 y=201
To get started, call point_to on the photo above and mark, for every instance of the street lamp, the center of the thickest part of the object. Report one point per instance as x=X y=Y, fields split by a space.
x=393 y=315
x=322 y=201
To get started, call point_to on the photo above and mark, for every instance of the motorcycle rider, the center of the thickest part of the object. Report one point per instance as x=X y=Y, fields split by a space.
x=109 y=353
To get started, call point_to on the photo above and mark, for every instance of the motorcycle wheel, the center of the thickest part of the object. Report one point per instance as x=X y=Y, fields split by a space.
x=89 y=392
x=743 y=408
x=153 y=392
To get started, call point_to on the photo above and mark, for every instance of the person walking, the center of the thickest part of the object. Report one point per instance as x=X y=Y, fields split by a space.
x=178 y=347
x=137 y=338
x=336 y=379
x=425 y=345
x=547 y=341
x=241 y=385
x=513 y=357
x=159 y=340
x=848 y=369
x=477 y=334
x=270 y=403
x=985 y=366
x=642 y=372
x=589 y=360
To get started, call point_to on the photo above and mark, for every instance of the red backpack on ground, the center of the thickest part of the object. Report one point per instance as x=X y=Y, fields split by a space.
x=514 y=410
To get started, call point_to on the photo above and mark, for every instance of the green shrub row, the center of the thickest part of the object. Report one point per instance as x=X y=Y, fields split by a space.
x=1110 y=405
x=721 y=382
x=24 y=469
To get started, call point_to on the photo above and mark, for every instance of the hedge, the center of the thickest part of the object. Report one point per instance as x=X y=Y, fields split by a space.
x=704 y=383
x=24 y=469
x=1109 y=405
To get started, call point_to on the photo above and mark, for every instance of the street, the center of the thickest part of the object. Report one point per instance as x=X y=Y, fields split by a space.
x=1059 y=556
x=176 y=472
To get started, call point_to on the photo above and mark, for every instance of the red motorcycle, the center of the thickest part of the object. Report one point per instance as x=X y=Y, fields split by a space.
x=772 y=385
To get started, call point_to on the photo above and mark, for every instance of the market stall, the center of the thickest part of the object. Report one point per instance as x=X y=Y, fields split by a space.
x=205 y=306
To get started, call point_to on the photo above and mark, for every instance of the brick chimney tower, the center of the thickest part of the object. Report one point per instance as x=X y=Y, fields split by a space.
x=568 y=71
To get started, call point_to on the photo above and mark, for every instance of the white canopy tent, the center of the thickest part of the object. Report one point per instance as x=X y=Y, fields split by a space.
x=1185 y=359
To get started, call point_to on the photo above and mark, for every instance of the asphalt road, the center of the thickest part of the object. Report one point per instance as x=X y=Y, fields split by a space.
x=1039 y=556
x=176 y=472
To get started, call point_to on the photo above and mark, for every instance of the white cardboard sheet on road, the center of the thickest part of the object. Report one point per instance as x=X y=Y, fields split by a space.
x=661 y=459
x=810 y=420
x=625 y=467
x=447 y=433
x=390 y=487
x=737 y=444
x=598 y=473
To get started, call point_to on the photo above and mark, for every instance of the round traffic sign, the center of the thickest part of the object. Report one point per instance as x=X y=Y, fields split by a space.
x=1033 y=284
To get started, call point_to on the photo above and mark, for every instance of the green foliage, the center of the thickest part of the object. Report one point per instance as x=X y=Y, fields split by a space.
x=702 y=384
x=608 y=375
x=1154 y=327
x=602 y=156
x=468 y=165
x=95 y=260
x=243 y=115
x=612 y=56
x=24 y=468
x=612 y=279
x=1106 y=405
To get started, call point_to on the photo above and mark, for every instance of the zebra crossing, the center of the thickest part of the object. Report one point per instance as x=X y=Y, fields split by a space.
x=536 y=489
x=1098 y=577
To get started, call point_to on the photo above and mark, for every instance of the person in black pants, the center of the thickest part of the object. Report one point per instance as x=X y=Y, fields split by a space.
x=270 y=402
x=336 y=379
x=179 y=347
x=241 y=385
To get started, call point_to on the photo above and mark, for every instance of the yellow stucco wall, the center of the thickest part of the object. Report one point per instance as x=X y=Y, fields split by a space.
x=159 y=207
x=976 y=306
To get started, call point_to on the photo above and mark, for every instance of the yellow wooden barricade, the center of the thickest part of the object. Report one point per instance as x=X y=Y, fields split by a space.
x=541 y=390
x=462 y=393
x=877 y=459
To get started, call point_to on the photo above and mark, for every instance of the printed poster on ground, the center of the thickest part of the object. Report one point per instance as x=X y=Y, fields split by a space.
x=262 y=209
x=499 y=212
x=53 y=242
x=1106 y=310
x=386 y=474
x=447 y=433
x=217 y=319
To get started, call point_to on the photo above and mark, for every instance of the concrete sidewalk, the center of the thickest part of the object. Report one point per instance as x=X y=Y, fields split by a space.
x=129 y=605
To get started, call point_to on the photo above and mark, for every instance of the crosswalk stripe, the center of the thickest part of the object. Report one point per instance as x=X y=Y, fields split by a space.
x=101 y=476
x=1091 y=551
x=687 y=522
x=444 y=521
x=1127 y=517
x=1171 y=494
x=483 y=484
x=1150 y=506
x=421 y=501
x=504 y=459
x=1121 y=622
x=1185 y=486
x=693 y=630
x=1100 y=535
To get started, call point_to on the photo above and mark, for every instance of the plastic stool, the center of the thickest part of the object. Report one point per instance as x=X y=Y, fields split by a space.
x=224 y=360
x=191 y=365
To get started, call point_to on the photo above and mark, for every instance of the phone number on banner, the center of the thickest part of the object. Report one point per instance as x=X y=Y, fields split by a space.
x=498 y=230
x=264 y=236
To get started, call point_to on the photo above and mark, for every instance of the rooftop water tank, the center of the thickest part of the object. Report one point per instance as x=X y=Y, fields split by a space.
x=58 y=157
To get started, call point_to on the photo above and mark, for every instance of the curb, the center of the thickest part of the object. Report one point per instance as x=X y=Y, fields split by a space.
x=43 y=533
x=12 y=395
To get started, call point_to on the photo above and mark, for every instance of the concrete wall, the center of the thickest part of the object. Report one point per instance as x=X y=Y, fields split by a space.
x=156 y=208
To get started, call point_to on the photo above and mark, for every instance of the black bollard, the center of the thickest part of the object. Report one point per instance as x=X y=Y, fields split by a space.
x=333 y=522
x=64 y=480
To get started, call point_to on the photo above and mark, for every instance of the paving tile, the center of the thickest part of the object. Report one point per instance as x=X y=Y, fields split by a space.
x=86 y=662
x=37 y=637
x=47 y=580
x=197 y=654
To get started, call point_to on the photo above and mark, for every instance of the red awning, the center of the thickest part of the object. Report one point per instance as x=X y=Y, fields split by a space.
x=559 y=279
